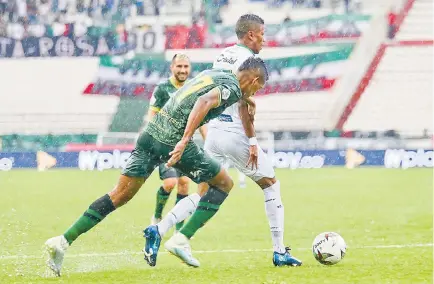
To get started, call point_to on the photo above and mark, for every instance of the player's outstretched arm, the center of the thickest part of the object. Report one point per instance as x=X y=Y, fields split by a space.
x=200 y=109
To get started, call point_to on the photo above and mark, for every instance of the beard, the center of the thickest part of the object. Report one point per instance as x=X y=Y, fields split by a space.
x=180 y=78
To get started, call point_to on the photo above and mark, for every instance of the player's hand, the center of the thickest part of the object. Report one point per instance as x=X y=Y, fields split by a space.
x=253 y=158
x=176 y=153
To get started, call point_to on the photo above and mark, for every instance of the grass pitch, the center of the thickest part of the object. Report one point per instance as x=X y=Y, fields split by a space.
x=384 y=215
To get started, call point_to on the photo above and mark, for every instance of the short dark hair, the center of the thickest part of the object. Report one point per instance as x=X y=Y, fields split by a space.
x=255 y=63
x=247 y=23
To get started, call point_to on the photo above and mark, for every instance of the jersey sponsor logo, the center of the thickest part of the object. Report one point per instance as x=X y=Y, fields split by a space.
x=297 y=161
x=225 y=118
x=91 y=160
x=408 y=159
x=169 y=118
x=229 y=60
x=6 y=164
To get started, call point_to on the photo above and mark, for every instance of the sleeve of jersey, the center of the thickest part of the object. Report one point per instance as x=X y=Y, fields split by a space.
x=156 y=102
x=229 y=93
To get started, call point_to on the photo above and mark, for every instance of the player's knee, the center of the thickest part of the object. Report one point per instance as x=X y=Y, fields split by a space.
x=266 y=182
x=226 y=185
x=169 y=184
x=222 y=181
x=183 y=184
x=202 y=188
x=230 y=185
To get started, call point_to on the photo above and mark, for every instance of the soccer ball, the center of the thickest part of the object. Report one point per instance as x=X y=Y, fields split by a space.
x=329 y=248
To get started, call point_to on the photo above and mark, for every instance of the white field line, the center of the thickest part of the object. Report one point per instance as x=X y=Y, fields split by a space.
x=126 y=253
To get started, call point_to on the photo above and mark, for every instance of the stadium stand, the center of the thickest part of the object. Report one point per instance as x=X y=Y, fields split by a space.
x=58 y=108
x=50 y=100
x=399 y=94
x=276 y=14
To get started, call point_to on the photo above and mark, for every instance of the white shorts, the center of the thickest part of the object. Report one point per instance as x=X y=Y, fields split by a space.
x=232 y=147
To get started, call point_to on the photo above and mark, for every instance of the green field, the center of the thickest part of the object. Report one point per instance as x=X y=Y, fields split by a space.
x=385 y=216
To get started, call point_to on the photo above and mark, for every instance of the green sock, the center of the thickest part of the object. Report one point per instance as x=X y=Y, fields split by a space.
x=208 y=206
x=162 y=197
x=96 y=212
x=179 y=197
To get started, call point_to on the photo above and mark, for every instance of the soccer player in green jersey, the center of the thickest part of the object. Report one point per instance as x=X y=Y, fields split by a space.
x=180 y=69
x=168 y=138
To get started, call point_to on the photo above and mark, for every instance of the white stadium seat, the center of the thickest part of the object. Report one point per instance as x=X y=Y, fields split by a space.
x=400 y=94
x=51 y=100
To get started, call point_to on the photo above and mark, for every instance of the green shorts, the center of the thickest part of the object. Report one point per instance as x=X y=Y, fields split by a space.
x=150 y=153
x=166 y=172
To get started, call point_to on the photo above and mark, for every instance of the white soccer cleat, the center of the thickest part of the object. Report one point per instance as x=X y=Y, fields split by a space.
x=155 y=221
x=55 y=249
x=179 y=246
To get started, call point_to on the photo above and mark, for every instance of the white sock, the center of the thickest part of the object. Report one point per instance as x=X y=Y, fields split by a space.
x=241 y=179
x=180 y=212
x=275 y=214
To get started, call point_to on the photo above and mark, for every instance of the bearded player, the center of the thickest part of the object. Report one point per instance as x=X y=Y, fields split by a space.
x=180 y=69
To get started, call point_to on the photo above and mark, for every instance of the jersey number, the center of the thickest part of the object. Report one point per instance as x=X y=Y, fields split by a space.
x=195 y=86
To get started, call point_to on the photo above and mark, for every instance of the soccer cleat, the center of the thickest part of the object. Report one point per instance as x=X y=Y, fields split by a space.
x=55 y=249
x=179 y=246
x=155 y=221
x=285 y=259
x=152 y=244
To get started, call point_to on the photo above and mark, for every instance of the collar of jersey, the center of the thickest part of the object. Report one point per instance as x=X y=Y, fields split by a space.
x=242 y=45
x=174 y=83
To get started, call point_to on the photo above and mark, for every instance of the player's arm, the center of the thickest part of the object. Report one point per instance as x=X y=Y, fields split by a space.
x=203 y=131
x=203 y=105
x=251 y=107
x=249 y=129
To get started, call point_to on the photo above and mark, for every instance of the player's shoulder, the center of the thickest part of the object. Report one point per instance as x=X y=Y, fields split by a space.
x=227 y=79
x=164 y=82
x=161 y=86
x=238 y=48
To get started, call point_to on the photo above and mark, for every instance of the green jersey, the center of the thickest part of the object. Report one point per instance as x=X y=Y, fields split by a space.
x=162 y=93
x=169 y=124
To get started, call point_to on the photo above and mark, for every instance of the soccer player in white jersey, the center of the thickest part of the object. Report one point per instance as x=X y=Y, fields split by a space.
x=231 y=137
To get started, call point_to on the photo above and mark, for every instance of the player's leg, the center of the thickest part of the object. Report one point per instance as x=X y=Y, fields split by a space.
x=264 y=176
x=200 y=168
x=183 y=184
x=169 y=176
x=140 y=165
x=209 y=204
x=241 y=180
x=187 y=206
x=275 y=212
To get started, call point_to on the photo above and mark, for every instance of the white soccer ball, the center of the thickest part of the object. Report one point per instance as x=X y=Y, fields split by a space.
x=329 y=248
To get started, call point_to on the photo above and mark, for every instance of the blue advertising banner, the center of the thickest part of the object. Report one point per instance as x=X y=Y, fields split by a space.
x=61 y=46
x=94 y=160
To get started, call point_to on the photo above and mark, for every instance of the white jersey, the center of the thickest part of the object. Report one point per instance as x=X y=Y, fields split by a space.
x=231 y=58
